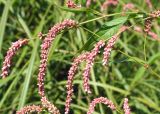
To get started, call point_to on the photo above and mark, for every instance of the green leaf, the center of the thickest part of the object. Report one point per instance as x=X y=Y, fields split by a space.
x=3 y=20
x=138 y=76
x=106 y=31
x=117 y=21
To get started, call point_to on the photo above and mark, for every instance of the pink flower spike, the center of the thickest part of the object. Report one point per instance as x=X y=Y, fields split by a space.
x=71 y=75
x=126 y=106
x=108 y=49
x=27 y=109
x=71 y=4
x=153 y=35
x=45 y=46
x=100 y=100
x=123 y=28
x=90 y=60
x=128 y=6
x=10 y=54
x=88 y=3
x=148 y=2
x=51 y=108
x=138 y=29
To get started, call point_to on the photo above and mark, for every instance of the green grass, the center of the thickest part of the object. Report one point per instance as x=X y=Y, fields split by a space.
x=127 y=74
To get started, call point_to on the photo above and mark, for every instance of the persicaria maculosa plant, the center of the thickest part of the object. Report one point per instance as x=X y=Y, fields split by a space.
x=101 y=47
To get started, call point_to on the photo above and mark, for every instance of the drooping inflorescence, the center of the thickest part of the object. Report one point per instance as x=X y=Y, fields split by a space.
x=100 y=100
x=153 y=35
x=148 y=2
x=90 y=60
x=128 y=6
x=45 y=50
x=10 y=54
x=88 y=57
x=148 y=25
x=49 y=106
x=44 y=56
x=71 y=4
x=88 y=3
x=71 y=75
x=109 y=46
x=108 y=49
x=126 y=107
x=148 y=21
x=30 y=109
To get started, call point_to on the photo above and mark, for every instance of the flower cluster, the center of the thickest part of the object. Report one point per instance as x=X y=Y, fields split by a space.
x=89 y=57
x=90 y=60
x=153 y=35
x=71 y=4
x=51 y=108
x=108 y=49
x=45 y=50
x=30 y=109
x=149 y=3
x=128 y=6
x=42 y=69
x=100 y=100
x=148 y=22
x=10 y=54
x=110 y=44
x=44 y=56
x=71 y=75
x=126 y=106
x=148 y=25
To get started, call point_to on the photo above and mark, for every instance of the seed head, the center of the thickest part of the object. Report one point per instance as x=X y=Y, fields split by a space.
x=10 y=54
